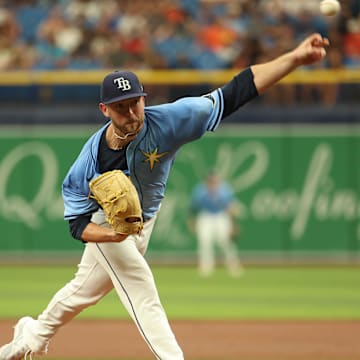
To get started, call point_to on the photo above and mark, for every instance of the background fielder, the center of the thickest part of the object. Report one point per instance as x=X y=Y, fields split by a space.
x=213 y=216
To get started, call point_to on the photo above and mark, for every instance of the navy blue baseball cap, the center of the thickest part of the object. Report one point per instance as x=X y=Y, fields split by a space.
x=120 y=85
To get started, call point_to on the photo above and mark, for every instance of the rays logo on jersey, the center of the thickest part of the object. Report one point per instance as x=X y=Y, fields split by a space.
x=153 y=157
x=122 y=84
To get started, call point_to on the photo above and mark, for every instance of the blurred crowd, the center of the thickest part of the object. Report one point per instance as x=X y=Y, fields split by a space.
x=168 y=34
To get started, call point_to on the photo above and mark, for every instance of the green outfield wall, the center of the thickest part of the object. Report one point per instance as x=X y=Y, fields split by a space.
x=298 y=188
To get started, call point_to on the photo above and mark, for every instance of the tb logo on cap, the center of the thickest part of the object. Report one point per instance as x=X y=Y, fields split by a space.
x=122 y=84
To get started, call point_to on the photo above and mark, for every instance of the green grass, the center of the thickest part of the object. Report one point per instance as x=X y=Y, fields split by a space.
x=261 y=293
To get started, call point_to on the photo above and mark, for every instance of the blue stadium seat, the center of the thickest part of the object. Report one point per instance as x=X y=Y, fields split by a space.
x=29 y=18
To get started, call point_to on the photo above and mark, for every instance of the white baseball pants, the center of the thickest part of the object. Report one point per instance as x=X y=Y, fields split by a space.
x=214 y=231
x=105 y=266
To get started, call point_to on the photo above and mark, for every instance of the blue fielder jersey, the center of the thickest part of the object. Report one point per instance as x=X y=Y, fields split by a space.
x=150 y=155
x=214 y=202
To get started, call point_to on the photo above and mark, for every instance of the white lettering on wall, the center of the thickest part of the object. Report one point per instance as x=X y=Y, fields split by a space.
x=316 y=196
x=16 y=207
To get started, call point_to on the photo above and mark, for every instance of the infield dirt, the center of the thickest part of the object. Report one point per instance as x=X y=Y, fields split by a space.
x=208 y=340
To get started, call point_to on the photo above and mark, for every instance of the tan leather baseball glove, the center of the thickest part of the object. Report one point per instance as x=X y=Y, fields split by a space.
x=117 y=195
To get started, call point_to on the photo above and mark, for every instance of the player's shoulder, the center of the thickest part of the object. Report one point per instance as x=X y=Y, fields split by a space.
x=184 y=105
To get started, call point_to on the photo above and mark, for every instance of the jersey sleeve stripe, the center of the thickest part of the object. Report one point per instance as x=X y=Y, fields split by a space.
x=220 y=110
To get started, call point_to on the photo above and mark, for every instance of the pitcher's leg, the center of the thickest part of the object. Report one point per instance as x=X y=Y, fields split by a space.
x=135 y=286
x=90 y=284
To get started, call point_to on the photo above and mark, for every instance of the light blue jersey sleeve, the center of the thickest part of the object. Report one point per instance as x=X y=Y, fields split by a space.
x=204 y=111
x=75 y=187
x=188 y=118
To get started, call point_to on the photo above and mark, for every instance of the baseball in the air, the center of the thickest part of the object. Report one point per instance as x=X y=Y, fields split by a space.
x=329 y=7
